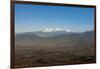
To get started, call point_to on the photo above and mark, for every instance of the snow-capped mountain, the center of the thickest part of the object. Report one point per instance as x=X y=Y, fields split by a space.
x=55 y=30
x=49 y=32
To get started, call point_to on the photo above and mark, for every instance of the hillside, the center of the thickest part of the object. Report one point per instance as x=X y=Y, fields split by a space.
x=67 y=48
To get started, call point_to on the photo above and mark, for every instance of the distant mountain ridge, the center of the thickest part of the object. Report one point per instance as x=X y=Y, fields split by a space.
x=44 y=34
x=35 y=38
x=48 y=32
x=57 y=34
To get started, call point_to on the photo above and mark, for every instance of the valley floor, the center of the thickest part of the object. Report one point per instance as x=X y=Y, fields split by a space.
x=34 y=57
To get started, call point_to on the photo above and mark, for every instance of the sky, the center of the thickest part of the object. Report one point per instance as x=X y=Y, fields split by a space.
x=29 y=18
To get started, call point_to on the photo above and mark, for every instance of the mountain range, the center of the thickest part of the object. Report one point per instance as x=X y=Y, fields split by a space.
x=57 y=37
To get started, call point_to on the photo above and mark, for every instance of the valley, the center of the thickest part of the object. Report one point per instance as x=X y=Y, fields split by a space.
x=63 y=49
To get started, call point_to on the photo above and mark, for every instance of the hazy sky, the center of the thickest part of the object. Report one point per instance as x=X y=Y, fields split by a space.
x=38 y=17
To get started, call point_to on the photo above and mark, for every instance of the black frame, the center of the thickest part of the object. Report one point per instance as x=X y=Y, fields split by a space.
x=12 y=30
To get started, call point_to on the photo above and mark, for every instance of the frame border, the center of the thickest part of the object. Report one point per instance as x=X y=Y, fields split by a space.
x=12 y=24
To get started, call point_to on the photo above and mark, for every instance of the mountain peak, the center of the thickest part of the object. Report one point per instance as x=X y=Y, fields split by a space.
x=55 y=30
